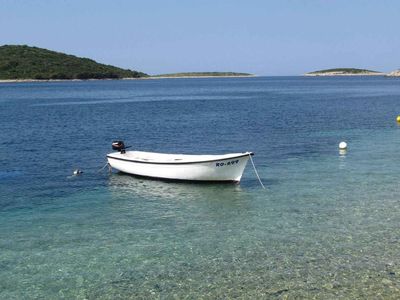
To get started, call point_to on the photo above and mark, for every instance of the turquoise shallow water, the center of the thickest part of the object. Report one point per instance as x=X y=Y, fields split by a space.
x=326 y=227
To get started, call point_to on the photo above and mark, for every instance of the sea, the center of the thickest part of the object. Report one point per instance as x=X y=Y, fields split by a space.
x=326 y=226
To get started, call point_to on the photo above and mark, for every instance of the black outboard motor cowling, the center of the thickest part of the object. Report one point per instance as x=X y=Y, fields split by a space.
x=118 y=146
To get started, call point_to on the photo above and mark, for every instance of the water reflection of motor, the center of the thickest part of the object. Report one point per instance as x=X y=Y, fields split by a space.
x=119 y=146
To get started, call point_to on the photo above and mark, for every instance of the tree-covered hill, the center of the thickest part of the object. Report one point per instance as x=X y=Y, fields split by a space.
x=24 y=62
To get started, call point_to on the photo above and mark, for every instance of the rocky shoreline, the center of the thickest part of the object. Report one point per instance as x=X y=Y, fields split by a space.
x=395 y=73
x=141 y=78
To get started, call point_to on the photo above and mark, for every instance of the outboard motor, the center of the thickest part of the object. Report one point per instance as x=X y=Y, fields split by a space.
x=118 y=146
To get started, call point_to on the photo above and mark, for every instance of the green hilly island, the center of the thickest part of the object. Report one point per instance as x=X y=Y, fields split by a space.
x=343 y=72
x=23 y=63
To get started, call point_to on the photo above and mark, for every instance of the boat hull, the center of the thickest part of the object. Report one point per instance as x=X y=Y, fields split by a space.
x=220 y=169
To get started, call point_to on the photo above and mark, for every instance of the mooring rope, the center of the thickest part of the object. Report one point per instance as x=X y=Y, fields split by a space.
x=255 y=170
x=103 y=167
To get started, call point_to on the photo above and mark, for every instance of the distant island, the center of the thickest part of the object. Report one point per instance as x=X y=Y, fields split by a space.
x=345 y=72
x=202 y=74
x=395 y=73
x=31 y=63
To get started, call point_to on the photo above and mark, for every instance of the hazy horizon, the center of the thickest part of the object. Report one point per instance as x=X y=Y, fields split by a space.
x=264 y=38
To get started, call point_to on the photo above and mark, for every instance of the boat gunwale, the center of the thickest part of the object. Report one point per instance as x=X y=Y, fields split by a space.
x=179 y=162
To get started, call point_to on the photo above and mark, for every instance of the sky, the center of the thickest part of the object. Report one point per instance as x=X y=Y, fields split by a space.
x=271 y=38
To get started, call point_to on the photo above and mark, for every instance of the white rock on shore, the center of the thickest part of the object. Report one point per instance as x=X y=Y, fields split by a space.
x=394 y=73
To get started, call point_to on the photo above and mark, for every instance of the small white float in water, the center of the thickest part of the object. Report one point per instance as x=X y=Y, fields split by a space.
x=343 y=146
x=77 y=172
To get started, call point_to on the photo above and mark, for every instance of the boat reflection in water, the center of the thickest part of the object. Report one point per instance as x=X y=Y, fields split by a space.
x=126 y=184
x=135 y=192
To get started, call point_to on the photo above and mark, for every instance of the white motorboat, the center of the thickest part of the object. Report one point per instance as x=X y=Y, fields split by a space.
x=225 y=167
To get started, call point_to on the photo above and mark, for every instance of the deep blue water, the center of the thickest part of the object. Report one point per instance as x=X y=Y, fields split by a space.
x=327 y=225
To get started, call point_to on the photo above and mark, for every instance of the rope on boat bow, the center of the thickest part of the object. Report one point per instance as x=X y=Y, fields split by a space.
x=255 y=171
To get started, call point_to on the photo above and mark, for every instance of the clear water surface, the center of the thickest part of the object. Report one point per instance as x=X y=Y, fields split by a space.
x=326 y=227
